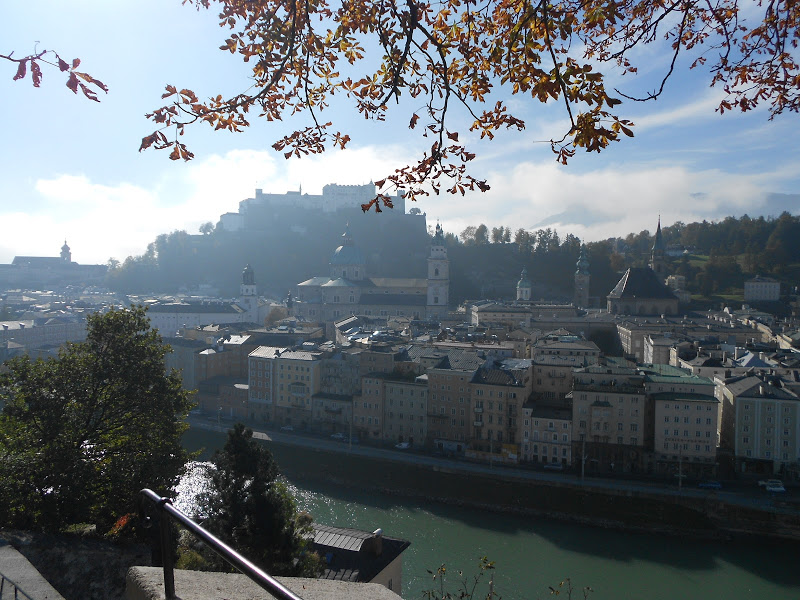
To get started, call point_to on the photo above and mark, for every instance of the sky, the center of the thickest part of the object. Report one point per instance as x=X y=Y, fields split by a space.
x=70 y=168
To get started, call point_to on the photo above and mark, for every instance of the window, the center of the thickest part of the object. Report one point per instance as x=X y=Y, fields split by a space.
x=634 y=427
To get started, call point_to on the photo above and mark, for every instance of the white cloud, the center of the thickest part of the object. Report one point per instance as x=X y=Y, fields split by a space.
x=603 y=203
x=101 y=221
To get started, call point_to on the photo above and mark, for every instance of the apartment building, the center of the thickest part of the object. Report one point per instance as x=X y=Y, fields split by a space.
x=368 y=411
x=546 y=434
x=261 y=379
x=405 y=416
x=498 y=395
x=766 y=423
x=610 y=418
x=297 y=380
x=686 y=420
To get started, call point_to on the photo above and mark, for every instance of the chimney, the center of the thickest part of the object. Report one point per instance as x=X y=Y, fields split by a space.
x=377 y=541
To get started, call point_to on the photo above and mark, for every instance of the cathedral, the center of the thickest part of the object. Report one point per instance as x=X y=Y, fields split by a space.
x=347 y=290
x=642 y=291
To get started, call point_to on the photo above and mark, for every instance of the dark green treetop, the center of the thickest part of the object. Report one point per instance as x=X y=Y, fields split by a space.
x=82 y=433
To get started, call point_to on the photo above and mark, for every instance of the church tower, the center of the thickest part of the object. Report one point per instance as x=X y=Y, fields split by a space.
x=657 y=254
x=582 y=279
x=438 y=275
x=524 y=286
x=248 y=296
x=66 y=255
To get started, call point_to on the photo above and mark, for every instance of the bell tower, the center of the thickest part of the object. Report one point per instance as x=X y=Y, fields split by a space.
x=582 y=278
x=248 y=295
x=438 y=275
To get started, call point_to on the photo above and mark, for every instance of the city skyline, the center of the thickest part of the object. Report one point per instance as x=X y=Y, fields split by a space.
x=74 y=171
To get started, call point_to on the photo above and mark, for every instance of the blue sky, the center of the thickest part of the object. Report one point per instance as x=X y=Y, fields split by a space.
x=71 y=168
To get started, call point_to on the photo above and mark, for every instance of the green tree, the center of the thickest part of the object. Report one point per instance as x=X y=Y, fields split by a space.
x=82 y=433
x=249 y=508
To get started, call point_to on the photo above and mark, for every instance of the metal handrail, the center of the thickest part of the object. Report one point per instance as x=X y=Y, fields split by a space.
x=164 y=507
x=17 y=589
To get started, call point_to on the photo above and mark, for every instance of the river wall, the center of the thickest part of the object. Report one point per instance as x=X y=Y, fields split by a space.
x=706 y=517
x=700 y=516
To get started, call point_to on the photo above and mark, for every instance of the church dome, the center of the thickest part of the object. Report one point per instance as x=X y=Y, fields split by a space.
x=347 y=253
x=523 y=282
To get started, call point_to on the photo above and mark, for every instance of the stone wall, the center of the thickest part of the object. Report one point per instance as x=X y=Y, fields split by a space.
x=77 y=566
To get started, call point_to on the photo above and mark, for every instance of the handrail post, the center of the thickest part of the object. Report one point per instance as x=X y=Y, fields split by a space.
x=165 y=511
x=166 y=551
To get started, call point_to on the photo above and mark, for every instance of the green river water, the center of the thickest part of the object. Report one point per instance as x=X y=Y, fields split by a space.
x=531 y=554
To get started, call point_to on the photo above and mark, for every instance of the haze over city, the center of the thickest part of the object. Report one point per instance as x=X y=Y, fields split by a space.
x=75 y=173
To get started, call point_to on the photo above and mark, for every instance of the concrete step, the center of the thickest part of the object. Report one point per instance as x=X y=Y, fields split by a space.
x=16 y=571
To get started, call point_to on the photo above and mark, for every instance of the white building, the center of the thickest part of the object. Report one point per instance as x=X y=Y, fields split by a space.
x=762 y=288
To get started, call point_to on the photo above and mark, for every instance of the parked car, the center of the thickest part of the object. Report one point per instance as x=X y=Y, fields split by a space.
x=339 y=436
x=554 y=466
x=403 y=446
x=770 y=482
x=710 y=485
x=775 y=487
x=287 y=428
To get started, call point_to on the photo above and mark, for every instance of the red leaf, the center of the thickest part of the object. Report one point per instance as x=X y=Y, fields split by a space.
x=413 y=122
x=62 y=64
x=175 y=154
x=72 y=82
x=76 y=62
x=453 y=136
x=36 y=73
x=21 y=70
x=147 y=141
x=89 y=93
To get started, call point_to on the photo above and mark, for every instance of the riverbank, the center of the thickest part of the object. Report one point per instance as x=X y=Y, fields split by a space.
x=619 y=505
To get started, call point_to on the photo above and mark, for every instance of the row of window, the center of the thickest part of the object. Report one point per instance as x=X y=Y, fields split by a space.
x=698 y=420
x=767 y=442
x=550 y=424
x=554 y=436
x=769 y=408
x=676 y=433
x=697 y=447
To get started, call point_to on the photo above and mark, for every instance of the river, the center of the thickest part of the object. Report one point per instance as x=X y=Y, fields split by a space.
x=531 y=554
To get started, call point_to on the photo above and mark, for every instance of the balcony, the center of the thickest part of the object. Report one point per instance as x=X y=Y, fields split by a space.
x=478 y=423
x=478 y=409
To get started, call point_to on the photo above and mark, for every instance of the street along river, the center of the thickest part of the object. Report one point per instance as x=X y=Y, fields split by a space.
x=531 y=554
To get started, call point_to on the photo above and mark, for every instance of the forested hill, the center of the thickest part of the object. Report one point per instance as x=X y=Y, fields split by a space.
x=290 y=245
x=715 y=257
x=285 y=246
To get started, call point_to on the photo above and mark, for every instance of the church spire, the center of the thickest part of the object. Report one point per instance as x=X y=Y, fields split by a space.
x=657 y=254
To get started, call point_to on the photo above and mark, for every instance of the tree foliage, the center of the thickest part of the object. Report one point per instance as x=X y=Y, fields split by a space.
x=470 y=57
x=249 y=508
x=82 y=433
x=88 y=85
